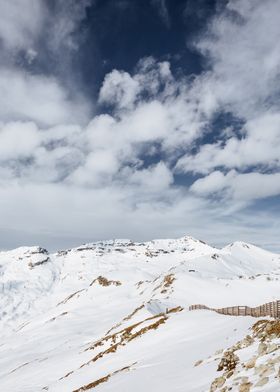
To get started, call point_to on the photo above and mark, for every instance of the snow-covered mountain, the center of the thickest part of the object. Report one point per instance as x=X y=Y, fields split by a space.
x=113 y=316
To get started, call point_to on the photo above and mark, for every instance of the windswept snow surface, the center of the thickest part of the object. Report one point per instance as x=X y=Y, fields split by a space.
x=113 y=315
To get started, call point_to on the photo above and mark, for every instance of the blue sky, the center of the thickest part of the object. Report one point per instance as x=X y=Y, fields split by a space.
x=139 y=119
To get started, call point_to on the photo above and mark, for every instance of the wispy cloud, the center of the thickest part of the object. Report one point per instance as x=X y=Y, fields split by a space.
x=31 y=33
x=162 y=9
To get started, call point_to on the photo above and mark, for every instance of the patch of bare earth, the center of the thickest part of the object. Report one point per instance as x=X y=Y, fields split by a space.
x=105 y=282
x=124 y=336
x=70 y=297
x=106 y=378
x=126 y=318
x=166 y=284
x=56 y=317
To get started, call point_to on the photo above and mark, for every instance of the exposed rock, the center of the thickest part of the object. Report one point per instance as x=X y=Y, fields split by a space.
x=272 y=347
x=275 y=360
x=198 y=363
x=265 y=369
x=268 y=371
x=105 y=282
x=39 y=250
x=245 y=387
x=229 y=374
x=262 y=382
x=246 y=342
x=260 y=367
x=167 y=282
x=266 y=329
x=39 y=262
x=262 y=348
x=217 y=383
x=251 y=363
x=228 y=361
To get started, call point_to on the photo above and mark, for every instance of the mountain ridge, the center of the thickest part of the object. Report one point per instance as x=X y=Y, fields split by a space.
x=87 y=313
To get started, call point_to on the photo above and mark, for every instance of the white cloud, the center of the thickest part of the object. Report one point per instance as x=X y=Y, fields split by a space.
x=236 y=186
x=23 y=23
x=39 y=98
x=28 y=30
x=116 y=176
x=18 y=140
x=213 y=183
x=97 y=173
x=99 y=168
x=58 y=216
x=157 y=178
x=260 y=145
x=119 y=89
x=64 y=21
x=20 y=23
x=242 y=49
x=163 y=11
x=152 y=79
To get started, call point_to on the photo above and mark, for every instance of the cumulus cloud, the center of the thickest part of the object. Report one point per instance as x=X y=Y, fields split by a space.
x=110 y=144
x=21 y=23
x=120 y=89
x=117 y=174
x=43 y=99
x=11 y=133
x=32 y=31
x=25 y=23
x=242 y=49
x=157 y=178
x=260 y=146
x=238 y=186
x=151 y=80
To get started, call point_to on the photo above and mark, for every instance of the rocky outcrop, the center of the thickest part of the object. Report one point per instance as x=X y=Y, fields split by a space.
x=259 y=368
x=228 y=362
x=105 y=282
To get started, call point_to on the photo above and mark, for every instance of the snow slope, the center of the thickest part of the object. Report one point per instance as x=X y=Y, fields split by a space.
x=113 y=315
